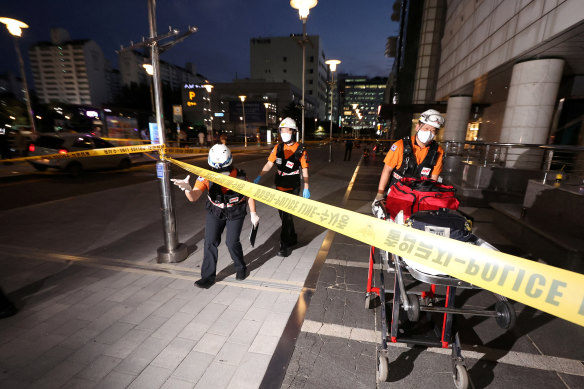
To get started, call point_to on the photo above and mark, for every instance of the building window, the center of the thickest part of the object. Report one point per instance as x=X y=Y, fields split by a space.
x=284 y=59
x=311 y=58
x=285 y=71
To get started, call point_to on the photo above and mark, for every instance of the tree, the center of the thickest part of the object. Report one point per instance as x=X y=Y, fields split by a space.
x=395 y=16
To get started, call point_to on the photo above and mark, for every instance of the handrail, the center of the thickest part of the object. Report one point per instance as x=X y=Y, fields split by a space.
x=539 y=157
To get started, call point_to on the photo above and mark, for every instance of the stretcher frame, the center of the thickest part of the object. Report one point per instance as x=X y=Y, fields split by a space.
x=412 y=304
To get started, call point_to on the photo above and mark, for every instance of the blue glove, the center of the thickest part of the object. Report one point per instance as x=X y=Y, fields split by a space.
x=257 y=180
x=306 y=193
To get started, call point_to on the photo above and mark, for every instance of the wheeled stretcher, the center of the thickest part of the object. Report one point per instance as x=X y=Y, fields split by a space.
x=434 y=328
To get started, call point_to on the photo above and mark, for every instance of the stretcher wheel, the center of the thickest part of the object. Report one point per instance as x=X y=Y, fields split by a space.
x=505 y=314
x=382 y=368
x=460 y=377
x=414 y=311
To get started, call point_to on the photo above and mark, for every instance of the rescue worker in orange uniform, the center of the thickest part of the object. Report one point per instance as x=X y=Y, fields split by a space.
x=421 y=157
x=290 y=158
x=225 y=208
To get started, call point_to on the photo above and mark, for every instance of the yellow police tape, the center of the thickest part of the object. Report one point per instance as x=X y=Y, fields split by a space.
x=92 y=153
x=118 y=150
x=550 y=289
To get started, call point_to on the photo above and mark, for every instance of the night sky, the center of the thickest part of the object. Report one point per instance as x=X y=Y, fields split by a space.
x=353 y=31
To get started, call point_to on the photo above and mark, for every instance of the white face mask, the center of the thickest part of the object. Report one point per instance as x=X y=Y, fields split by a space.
x=425 y=136
x=286 y=137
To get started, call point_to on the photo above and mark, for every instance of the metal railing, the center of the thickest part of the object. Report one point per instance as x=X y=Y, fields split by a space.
x=545 y=158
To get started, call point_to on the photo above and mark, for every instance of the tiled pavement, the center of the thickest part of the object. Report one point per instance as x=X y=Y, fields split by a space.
x=338 y=341
x=96 y=310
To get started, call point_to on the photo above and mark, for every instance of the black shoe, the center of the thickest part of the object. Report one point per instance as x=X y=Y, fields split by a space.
x=284 y=252
x=7 y=311
x=204 y=283
x=294 y=242
x=241 y=275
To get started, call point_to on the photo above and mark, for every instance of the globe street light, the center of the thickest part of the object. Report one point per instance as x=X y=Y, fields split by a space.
x=242 y=98
x=15 y=29
x=332 y=63
x=209 y=89
x=303 y=7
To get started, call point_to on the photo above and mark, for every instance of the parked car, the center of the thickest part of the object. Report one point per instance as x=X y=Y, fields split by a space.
x=63 y=143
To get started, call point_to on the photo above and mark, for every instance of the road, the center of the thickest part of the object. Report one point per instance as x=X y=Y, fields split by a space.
x=41 y=187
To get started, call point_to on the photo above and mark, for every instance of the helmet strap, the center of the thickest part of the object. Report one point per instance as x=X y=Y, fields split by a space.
x=222 y=169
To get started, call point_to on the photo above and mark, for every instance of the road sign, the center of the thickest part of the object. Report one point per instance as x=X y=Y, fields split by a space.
x=177 y=116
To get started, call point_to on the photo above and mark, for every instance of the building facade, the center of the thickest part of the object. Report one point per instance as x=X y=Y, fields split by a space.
x=360 y=100
x=227 y=108
x=70 y=71
x=132 y=71
x=279 y=59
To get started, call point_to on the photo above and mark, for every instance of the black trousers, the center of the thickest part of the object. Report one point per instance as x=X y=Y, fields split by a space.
x=348 y=152
x=213 y=229
x=288 y=235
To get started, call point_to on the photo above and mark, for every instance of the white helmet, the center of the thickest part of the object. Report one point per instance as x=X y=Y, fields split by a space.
x=219 y=156
x=432 y=117
x=288 y=123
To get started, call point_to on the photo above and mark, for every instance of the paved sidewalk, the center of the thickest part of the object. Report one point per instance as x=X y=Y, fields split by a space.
x=96 y=310
x=339 y=338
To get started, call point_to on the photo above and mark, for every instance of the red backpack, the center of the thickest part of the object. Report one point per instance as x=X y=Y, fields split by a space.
x=419 y=194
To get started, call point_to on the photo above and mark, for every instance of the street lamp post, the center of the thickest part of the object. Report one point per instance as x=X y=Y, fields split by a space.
x=242 y=98
x=267 y=105
x=303 y=7
x=332 y=63
x=209 y=89
x=172 y=251
x=15 y=29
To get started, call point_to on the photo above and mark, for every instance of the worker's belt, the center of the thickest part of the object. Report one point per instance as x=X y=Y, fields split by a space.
x=296 y=172
x=232 y=202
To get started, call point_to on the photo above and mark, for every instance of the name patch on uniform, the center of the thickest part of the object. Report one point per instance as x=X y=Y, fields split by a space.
x=393 y=147
x=278 y=161
x=233 y=200
x=426 y=171
x=290 y=164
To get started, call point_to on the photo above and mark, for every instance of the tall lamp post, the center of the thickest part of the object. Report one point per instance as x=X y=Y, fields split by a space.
x=303 y=7
x=15 y=29
x=173 y=251
x=267 y=105
x=209 y=89
x=332 y=63
x=242 y=98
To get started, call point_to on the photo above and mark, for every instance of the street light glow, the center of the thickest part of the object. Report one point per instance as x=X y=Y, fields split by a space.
x=14 y=26
x=303 y=7
x=208 y=87
x=242 y=98
x=332 y=63
x=149 y=69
